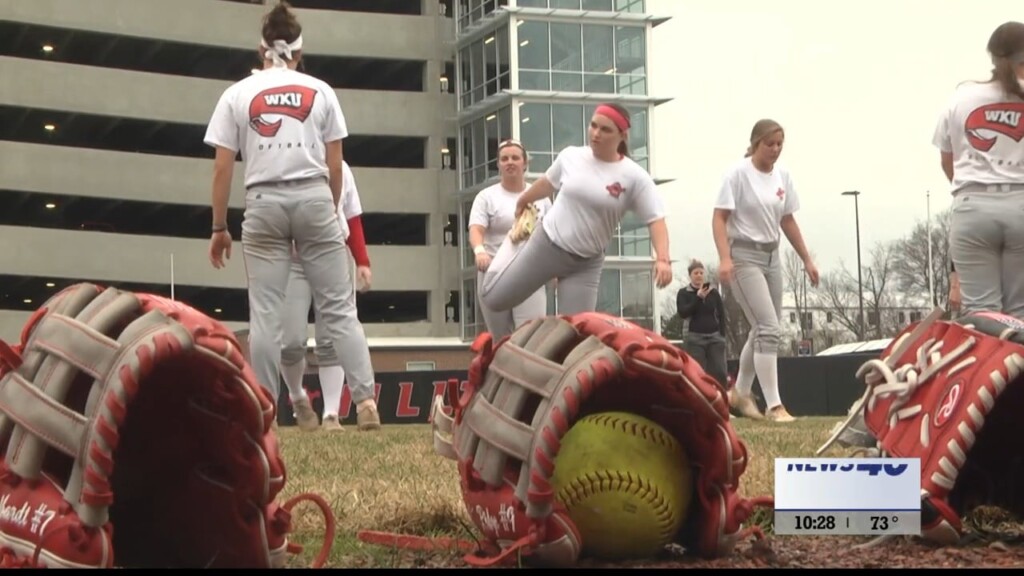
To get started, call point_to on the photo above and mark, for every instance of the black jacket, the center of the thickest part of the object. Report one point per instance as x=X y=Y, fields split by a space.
x=706 y=316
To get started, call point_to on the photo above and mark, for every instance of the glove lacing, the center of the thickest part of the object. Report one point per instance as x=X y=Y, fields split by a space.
x=325 y=550
x=884 y=380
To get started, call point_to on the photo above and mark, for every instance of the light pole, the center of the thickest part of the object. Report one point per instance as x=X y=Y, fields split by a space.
x=860 y=284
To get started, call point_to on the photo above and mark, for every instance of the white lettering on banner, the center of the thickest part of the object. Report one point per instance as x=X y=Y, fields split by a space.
x=12 y=513
x=41 y=518
x=292 y=99
x=505 y=521
x=1007 y=117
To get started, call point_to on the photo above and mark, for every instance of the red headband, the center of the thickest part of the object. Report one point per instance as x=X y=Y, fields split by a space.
x=615 y=116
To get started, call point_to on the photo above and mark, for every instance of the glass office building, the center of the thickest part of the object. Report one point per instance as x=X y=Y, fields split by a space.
x=535 y=70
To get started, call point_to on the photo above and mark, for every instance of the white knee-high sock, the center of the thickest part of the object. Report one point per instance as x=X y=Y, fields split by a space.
x=767 y=368
x=745 y=374
x=293 y=379
x=332 y=378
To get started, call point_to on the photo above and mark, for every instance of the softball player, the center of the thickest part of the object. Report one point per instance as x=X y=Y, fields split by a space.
x=756 y=202
x=982 y=155
x=490 y=220
x=289 y=129
x=597 y=184
x=330 y=366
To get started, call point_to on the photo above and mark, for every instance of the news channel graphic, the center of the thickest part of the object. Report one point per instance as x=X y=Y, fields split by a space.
x=848 y=496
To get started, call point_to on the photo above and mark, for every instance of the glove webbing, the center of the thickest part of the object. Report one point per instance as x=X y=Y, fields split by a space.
x=68 y=342
x=523 y=369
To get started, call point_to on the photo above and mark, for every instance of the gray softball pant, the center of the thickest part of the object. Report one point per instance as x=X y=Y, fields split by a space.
x=757 y=285
x=501 y=323
x=275 y=214
x=297 y=301
x=517 y=272
x=986 y=244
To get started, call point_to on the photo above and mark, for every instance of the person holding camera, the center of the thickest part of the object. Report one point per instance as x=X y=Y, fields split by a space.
x=701 y=304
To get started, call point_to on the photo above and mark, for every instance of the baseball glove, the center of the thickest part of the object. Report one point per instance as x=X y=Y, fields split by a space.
x=134 y=434
x=524 y=393
x=524 y=225
x=950 y=393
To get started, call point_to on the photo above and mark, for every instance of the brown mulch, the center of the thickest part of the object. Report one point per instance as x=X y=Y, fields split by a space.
x=840 y=552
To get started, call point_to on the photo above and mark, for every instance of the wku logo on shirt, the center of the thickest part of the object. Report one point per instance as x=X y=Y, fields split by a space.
x=291 y=101
x=1003 y=118
x=615 y=189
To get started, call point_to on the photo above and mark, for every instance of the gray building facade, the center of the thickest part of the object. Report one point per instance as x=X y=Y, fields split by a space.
x=535 y=70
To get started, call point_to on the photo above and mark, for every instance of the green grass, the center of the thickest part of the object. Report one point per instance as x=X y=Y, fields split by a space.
x=393 y=481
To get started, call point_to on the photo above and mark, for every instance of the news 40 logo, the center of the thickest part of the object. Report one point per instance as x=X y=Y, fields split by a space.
x=848 y=484
x=870 y=468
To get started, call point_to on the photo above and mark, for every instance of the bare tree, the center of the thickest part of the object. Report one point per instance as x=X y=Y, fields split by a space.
x=912 y=262
x=838 y=294
x=879 y=284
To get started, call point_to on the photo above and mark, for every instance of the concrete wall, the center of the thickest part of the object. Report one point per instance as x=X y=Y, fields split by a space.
x=109 y=257
x=146 y=96
x=235 y=25
x=174 y=180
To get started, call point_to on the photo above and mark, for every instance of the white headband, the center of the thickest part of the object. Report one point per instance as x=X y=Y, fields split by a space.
x=281 y=50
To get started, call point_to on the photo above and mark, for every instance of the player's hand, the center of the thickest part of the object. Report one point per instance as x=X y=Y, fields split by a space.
x=483 y=261
x=954 y=293
x=703 y=292
x=220 y=248
x=725 y=269
x=364 y=278
x=812 y=273
x=520 y=207
x=662 y=273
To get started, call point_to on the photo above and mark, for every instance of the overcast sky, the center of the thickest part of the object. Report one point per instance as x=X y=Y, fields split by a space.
x=857 y=85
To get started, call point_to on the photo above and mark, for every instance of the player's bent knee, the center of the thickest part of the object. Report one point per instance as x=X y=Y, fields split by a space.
x=325 y=354
x=499 y=301
x=768 y=337
x=292 y=355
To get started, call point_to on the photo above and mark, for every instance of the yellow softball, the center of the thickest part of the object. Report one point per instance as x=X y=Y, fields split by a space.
x=626 y=482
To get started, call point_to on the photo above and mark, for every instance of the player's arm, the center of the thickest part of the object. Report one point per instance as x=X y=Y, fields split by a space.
x=946 y=159
x=476 y=237
x=222 y=136
x=335 y=156
x=335 y=129
x=792 y=231
x=223 y=170
x=541 y=188
x=954 y=287
x=659 y=239
x=718 y=229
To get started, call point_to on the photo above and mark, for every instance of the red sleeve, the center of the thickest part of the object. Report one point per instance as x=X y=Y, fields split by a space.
x=357 y=242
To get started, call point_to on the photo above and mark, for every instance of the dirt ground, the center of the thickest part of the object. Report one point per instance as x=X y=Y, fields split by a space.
x=841 y=552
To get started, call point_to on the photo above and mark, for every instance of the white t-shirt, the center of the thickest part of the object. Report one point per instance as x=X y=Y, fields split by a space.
x=758 y=201
x=350 y=205
x=279 y=119
x=984 y=130
x=494 y=208
x=593 y=195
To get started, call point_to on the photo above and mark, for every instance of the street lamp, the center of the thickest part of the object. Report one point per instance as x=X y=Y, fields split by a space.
x=860 y=284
